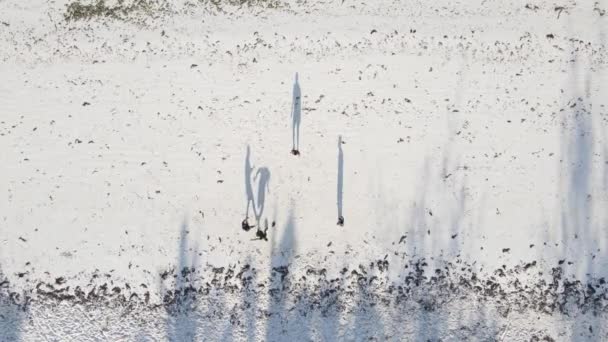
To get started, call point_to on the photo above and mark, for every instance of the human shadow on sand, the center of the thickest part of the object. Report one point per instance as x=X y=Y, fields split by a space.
x=248 y=190
x=296 y=116
x=340 y=181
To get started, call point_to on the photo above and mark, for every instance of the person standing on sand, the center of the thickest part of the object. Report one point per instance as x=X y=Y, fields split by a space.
x=262 y=234
x=296 y=115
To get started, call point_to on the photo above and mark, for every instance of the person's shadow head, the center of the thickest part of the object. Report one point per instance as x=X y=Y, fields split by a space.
x=296 y=90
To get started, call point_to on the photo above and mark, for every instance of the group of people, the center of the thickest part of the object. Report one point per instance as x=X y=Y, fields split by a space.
x=264 y=174
x=263 y=177
x=259 y=234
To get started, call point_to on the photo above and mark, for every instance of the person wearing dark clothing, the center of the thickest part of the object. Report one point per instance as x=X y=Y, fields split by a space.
x=245 y=225
x=262 y=234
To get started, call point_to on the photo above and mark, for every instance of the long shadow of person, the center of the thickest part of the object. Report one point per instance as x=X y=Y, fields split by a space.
x=281 y=281
x=340 y=180
x=180 y=301
x=11 y=314
x=296 y=115
x=263 y=187
x=248 y=190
